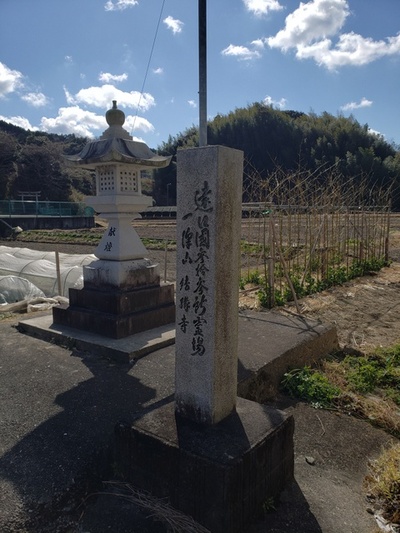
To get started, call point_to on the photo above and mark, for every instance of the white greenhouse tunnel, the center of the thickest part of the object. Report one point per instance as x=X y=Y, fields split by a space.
x=39 y=268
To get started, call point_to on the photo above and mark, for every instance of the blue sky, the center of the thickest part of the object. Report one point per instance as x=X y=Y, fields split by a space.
x=63 y=62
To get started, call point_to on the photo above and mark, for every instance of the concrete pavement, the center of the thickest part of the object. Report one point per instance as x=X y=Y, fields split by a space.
x=59 y=406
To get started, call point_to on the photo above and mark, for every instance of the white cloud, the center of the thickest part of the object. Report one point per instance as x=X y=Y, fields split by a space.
x=351 y=49
x=104 y=95
x=22 y=122
x=173 y=24
x=10 y=80
x=357 y=105
x=35 y=99
x=85 y=123
x=134 y=123
x=258 y=43
x=375 y=133
x=119 y=5
x=74 y=120
x=106 y=77
x=68 y=96
x=280 y=104
x=262 y=7
x=308 y=30
x=317 y=19
x=192 y=103
x=242 y=53
x=158 y=70
x=68 y=59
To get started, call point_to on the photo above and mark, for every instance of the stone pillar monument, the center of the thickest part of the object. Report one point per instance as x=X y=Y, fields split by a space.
x=216 y=457
x=208 y=232
x=122 y=293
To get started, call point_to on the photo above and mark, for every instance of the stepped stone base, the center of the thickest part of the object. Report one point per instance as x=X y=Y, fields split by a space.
x=222 y=474
x=117 y=314
x=139 y=304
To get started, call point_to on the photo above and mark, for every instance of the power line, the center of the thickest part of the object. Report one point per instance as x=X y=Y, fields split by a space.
x=148 y=65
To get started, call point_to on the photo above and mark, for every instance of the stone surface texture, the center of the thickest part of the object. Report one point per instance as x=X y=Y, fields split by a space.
x=122 y=275
x=219 y=474
x=208 y=252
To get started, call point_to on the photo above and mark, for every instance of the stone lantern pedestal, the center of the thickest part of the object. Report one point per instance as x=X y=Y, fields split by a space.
x=122 y=293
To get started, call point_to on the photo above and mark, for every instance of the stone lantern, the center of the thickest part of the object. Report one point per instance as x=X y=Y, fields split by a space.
x=122 y=294
x=118 y=161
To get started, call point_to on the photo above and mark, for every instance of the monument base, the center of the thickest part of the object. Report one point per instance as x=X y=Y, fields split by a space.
x=221 y=474
x=118 y=299
x=117 y=314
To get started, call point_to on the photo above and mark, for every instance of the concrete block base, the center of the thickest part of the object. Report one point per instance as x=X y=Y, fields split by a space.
x=117 y=314
x=121 y=275
x=222 y=474
x=122 y=351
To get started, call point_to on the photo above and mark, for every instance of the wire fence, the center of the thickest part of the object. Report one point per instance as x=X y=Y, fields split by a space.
x=313 y=230
x=10 y=208
x=293 y=252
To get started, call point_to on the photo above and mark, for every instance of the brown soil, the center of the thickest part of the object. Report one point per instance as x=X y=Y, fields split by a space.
x=366 y=311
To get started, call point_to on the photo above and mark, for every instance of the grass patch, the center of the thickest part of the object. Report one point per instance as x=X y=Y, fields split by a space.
x=305 y=285
x=253 y=277
x=370 y=385
x=159 y=244
x=383 y=483
x=90 y=237
x=366 y=386
x=379 y=370
x=4 y=316
x=312 y=386
x=252 y=248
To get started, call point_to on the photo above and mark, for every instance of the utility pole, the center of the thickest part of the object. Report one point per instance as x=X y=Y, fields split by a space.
x=202 y=72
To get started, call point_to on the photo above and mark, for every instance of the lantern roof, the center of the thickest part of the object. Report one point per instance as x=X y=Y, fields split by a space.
x=117 y=146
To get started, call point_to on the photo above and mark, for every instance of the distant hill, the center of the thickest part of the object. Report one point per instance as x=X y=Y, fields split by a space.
x=282 y=143
x=277 y=145
x=33 y=161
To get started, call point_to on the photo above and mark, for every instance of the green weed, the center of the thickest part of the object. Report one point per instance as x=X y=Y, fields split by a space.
x=251 y=248
x=379 y=370
x=366 y=385
x=310 y=385
x=335 y=275
x=269 y=505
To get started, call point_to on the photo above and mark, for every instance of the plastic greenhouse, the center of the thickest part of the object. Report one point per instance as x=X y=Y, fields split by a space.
x=39 y=268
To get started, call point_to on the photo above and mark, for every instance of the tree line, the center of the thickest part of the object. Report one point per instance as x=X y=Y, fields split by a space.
x=33 y=161
x=274 y=142
x=282 y=143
